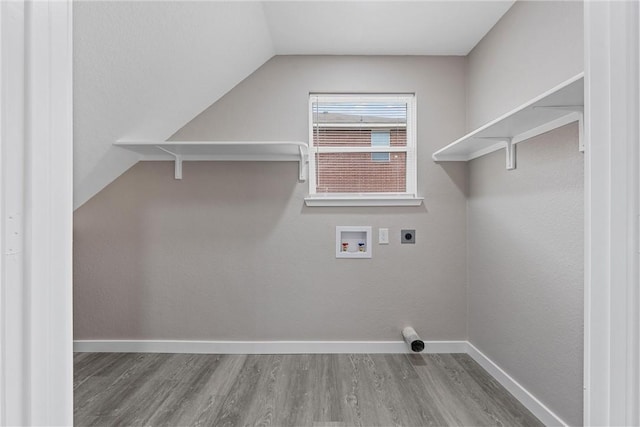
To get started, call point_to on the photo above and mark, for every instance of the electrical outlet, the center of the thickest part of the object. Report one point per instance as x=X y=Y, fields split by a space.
x=408 y=236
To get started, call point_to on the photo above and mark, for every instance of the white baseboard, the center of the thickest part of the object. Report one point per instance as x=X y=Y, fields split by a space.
x=536 y=407
x=262 y=347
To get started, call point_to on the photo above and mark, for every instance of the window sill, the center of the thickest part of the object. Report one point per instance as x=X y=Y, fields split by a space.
x=363 y=201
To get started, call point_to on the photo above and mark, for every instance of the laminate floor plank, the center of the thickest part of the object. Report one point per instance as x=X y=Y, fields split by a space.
x=473 y=386
x=101 y=365
x=209 y=403
x=373 y=395
x=359 y=406
x=262 y=409
x=323 y=390
x=117 y=397
x=513 y=412
x=462 y=383
x=145 y=398
x=417 y=406
x=457 y=408
x=191 y=382
x=88 y=400
x=293 y=396
x=326 y=390
x=241 y=394
x=384 y=392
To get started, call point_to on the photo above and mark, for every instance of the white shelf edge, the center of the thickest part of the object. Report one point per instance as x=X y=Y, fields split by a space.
x=124 y=143
x=570 y=116
x=471 y=156
x=223 y=158
x=165 y=152
x=363 y=201
x=554 y=124
x=549 y=126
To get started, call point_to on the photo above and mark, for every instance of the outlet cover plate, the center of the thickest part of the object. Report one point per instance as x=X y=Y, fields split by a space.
x=407 y=236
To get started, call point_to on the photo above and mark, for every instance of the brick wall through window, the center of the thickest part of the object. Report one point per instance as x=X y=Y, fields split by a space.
x=359 y=172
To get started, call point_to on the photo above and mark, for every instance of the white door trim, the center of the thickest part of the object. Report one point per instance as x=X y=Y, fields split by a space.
x=13 y=369
x=36 y=131
x=49 y=211
x=612 y=191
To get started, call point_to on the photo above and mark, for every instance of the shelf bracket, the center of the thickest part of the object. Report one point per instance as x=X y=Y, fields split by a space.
x=177 y=161
x=511 y=154
x=579 y=110
x=303 y=164
x=510 y=149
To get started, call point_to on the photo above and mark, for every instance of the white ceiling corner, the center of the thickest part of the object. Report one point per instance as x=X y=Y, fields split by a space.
x=144 y=69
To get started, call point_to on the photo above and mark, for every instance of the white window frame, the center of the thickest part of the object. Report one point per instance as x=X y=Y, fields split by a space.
x=408 y=198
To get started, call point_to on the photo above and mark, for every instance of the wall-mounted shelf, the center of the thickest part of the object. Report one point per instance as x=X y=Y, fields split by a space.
x=557 y=107
x=181 y=151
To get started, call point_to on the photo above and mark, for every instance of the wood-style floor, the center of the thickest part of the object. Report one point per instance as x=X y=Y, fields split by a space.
x=134 y=389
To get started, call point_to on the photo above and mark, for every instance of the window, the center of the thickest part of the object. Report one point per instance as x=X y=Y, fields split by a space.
x=380 y=138
x=362 y=150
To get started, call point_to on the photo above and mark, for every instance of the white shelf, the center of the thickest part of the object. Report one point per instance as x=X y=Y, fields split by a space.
x=180 y=151
x=557 y=107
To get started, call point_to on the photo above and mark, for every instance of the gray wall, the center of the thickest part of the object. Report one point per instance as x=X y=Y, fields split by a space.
x=526 y=226
x=535 y=46
x=526 y=267
x=231 y=253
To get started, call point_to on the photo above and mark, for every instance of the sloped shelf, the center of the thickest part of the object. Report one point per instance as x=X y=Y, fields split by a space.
x=557 y=107
x=181 y=151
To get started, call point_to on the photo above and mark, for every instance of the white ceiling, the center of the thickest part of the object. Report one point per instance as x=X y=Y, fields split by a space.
x=142 y=70
x=380 y=27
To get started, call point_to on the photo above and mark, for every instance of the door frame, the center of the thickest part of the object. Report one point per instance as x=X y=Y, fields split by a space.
x=612 y=192
x=36 y=301
x=36 y=192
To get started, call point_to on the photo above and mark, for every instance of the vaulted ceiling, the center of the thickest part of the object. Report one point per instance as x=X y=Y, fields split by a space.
x=144 y=69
